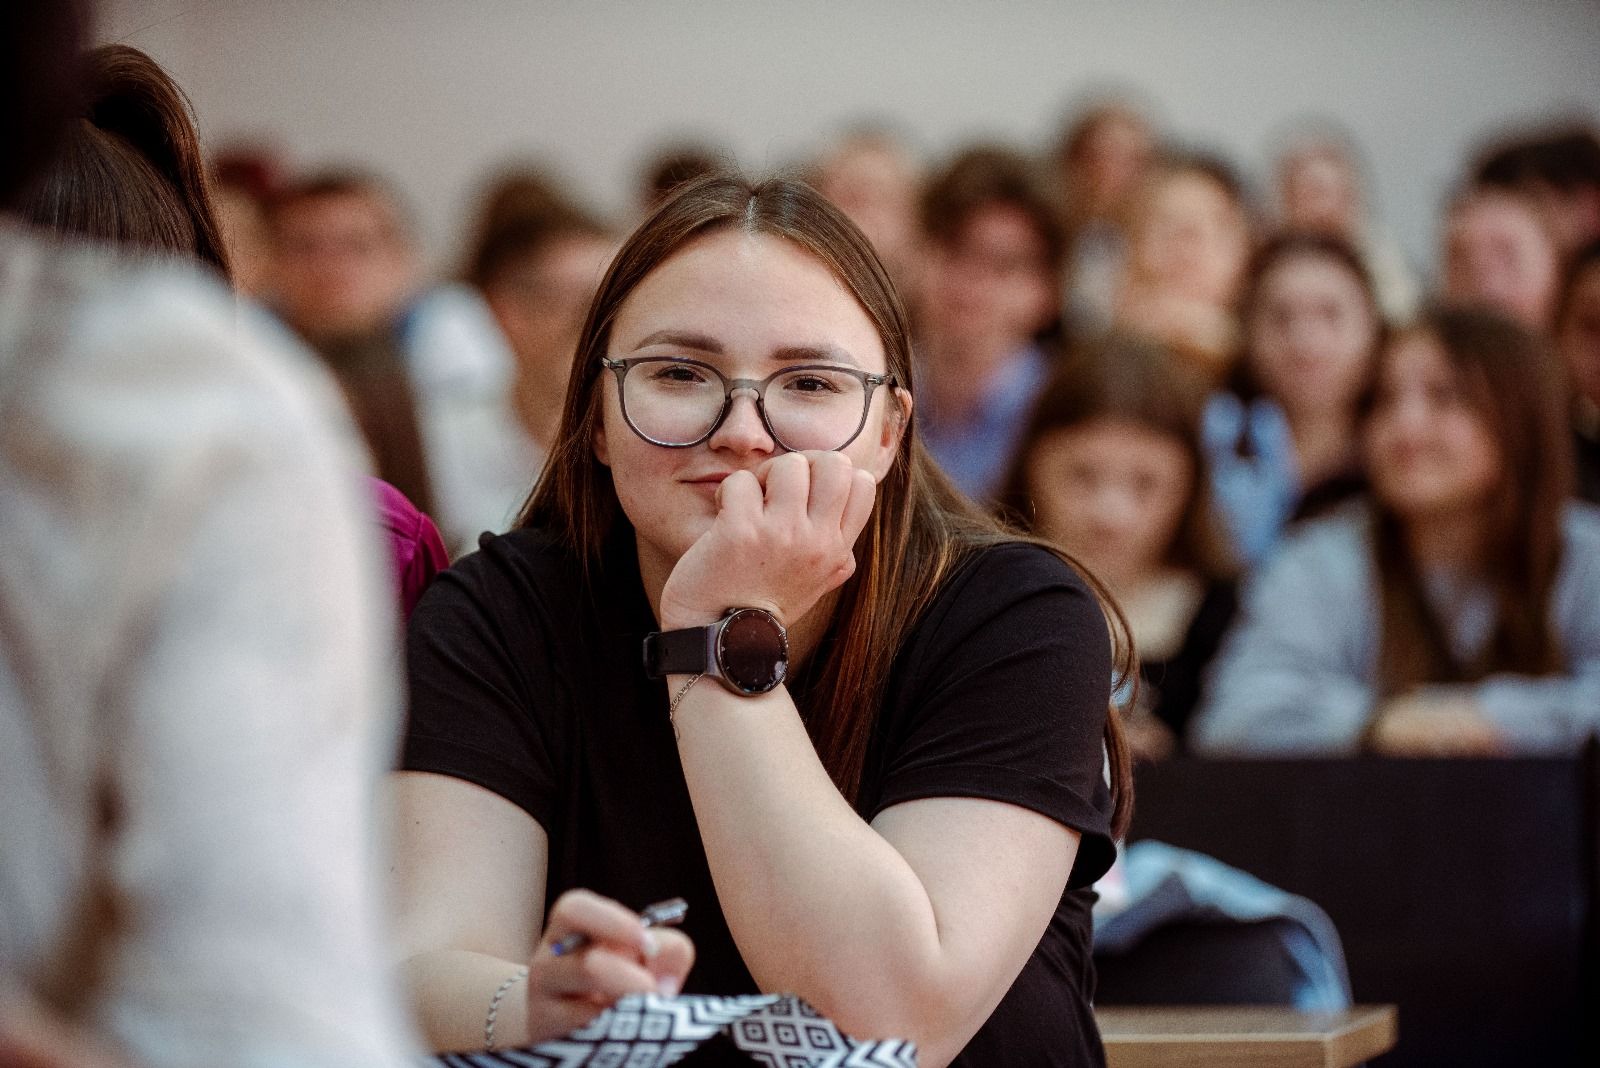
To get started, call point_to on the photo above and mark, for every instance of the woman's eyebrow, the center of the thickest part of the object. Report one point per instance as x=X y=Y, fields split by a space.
x=688 y=339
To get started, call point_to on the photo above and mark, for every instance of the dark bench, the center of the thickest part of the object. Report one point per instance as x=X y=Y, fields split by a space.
x=1464 y=891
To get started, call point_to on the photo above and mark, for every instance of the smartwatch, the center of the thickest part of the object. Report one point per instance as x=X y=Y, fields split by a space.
x=746 y=650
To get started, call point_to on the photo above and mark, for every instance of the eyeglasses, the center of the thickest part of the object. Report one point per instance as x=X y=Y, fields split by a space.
x=676 y=402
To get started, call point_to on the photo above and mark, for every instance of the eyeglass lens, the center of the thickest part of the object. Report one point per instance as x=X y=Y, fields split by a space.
x=807 y=408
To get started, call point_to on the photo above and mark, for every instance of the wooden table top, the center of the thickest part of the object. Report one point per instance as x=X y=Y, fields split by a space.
x=1138 y=1036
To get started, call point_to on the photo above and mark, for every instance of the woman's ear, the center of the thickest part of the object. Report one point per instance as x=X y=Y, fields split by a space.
x=896 y=420
x=602 y=450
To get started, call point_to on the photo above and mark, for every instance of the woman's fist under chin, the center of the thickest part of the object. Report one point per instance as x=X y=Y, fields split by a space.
x=784 y=535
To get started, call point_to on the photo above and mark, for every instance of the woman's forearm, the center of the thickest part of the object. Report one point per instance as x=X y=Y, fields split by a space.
x=818 y=902
x=451 y=990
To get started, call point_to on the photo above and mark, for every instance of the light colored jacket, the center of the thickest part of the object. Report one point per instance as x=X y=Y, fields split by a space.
x=197 y=692
x=1297 y=676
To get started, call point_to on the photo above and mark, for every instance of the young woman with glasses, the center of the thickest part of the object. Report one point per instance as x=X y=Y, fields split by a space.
x=748 y=647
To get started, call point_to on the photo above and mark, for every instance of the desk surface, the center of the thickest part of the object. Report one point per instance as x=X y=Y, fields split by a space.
x=1256 y=1036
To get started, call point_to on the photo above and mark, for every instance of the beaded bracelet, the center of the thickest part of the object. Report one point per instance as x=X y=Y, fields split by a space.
x=494 y=1008
x=672 y=709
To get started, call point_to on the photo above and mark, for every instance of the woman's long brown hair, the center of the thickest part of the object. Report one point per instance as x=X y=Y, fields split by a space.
x=921 y=527
x=1509 y=375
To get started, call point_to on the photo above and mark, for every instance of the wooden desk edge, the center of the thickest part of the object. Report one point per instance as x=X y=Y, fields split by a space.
x=1368 y=1030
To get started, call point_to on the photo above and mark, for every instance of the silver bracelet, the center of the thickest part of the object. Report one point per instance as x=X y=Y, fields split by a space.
x=672 y=709
x=494 y=1008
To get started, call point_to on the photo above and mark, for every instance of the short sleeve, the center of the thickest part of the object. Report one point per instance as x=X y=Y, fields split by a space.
x=484 y=697
x=1006 y=685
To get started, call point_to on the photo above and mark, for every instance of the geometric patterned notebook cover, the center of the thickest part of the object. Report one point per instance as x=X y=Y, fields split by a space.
x=649 y=1031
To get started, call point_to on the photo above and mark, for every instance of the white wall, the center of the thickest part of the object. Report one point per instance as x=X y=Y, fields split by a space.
x=434 y=93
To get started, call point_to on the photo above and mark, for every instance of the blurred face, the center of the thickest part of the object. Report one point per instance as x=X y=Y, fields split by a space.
x=1320 y=195
x=1312 y=332
x=749 y=305
x=877 y=188
x=340 y=264
x=1192 y=241
x=992 y=287
x=541 y=302
x=1115 y=157
x=1498 y=252
x=1113 y=493
x=1429 y=452
x=1579 y=334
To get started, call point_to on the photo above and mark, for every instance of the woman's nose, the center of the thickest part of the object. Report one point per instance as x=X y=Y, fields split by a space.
x=743 y=429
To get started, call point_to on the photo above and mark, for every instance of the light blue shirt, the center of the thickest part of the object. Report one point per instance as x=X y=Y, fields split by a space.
x=976 y=453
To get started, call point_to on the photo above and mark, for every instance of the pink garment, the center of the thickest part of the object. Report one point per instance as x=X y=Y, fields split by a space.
x=415 y=546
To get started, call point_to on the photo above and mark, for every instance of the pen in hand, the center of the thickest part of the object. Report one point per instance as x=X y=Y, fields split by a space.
x=667 y=913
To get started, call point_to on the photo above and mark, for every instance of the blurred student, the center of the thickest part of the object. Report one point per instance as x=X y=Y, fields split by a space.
x=1101 y=161
x=1458 y=614
x=1500 y=252
x=425 y=371
x=195 y=698
x=1282 y=439
x=1560 y=169
x=1189 y=241
x=1110 y=469
x=672 y=166
x=1578 y=339
x=872 y=177
x=538 y=272
x=242 y=185
x=1321 y=190
x=992 y=283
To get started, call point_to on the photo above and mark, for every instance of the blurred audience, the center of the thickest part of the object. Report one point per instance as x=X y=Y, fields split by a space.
x=1110 y=468
x=1560 y=169
x=1578 y=338
x=992 y=287
x=1500 y=252
x=1100 y=161
x=243 y=183
x=1282 y=439
x=425 y=370
x=1321 y=190
x=1189 y=240
x=195 y=692
x=670 y=167
x=873 y=178
x=1459 y=613
x=538 y=272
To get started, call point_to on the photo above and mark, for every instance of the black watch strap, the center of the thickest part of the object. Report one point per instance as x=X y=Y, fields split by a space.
x=679 y=652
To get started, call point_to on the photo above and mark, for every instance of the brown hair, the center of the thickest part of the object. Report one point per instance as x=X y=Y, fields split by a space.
x=345 y=182
x=505 y=244
x=989 y=176
x=1508 y=374
x=921 y=527
x=1136 y=380
x=130 y=171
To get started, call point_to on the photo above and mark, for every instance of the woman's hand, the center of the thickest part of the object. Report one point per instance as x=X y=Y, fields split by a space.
x=783 y=537
x=622 y=957
x=1426 y=725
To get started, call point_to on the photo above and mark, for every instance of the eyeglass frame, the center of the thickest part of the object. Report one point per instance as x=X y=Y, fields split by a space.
x=869 y=381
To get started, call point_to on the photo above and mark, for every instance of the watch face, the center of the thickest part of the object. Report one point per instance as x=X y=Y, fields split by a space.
x=754 y=652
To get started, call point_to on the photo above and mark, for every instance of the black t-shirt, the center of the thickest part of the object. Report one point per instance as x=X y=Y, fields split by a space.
x=528 y=679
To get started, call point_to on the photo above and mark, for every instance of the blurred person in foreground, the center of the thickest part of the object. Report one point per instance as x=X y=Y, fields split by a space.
x=196 y=699
x=991 y=287
x=1578 y=339
x=1110 y=468
x=425 y=370
x=1189 y=241
x=538 y=273
x=1500 y=252
x=1101 y=161
x=1281 y=437
x=1321 y=190
x=1457 y=613
x=872 y=177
